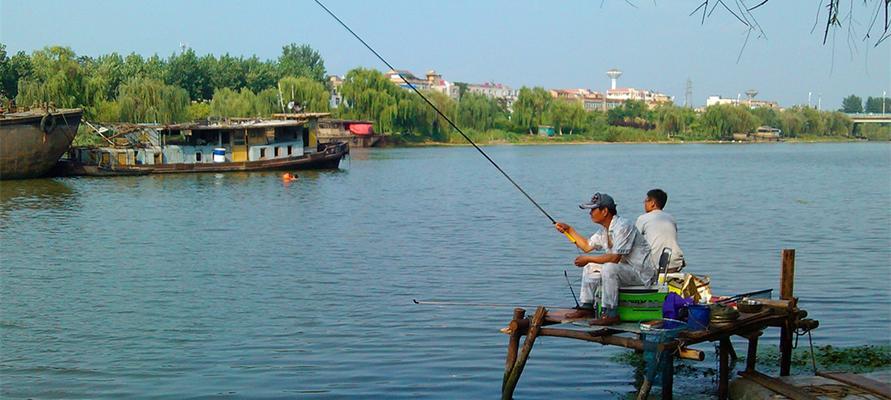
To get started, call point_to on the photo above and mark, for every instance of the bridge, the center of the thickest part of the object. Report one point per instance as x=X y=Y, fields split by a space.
x=862 y=118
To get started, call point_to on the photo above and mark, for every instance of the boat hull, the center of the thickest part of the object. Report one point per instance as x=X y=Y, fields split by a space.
x=328 y=158
x=29 y=149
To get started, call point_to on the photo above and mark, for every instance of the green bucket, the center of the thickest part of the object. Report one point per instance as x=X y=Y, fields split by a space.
x=640 y=304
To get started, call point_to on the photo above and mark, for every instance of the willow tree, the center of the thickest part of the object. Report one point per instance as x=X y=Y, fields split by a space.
x=310 y=94
x=56 y=77
x=228 y=103
x=566 y=114
x=476 y=111
x=150 y=100
x=369 y=94
x=530 y=108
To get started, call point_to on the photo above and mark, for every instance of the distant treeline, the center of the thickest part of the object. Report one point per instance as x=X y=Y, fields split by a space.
x=185 y=86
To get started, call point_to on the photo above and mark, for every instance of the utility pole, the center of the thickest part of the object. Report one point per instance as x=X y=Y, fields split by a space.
x=808 y=99
x=884 y=93
x=820 y=101
x=688 y=94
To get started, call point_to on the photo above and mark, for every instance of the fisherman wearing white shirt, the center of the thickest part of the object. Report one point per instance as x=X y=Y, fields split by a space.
x=626 y=261
x=660 y=229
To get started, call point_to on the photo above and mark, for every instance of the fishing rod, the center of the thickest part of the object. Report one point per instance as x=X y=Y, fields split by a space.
x=441 y=114
x=568 y=283
x=471 y=304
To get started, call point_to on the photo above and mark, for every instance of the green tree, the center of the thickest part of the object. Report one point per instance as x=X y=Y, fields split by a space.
x=310 y=94
x=259 y=75
x=368 y=94
x=673 y=120
x=301 y=60
x=150 y=100
x=874 y=105
x=722 y=121
x=566 y=114
x=187 y=71
x=56 y=77
x=792 y=122
x=767 y=116
x=476 y=111
x=852 y=104
x=12 y=69
x=227 y=72
x=837 y=123
x=530 y=108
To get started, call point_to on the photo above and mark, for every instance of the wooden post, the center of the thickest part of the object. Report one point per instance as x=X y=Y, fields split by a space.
x=667 y=375
x=724 y=369
x=507 y=392
x=752 y=352
x=787 y=276
x=513 y=345
x=787 y=279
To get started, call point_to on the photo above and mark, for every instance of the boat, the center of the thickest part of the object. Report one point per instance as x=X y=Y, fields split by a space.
x=217 y=146
x=32 y=141
x=358 y=133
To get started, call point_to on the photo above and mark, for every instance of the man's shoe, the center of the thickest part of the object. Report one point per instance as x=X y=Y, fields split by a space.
x=581 y=313
x=604 y=321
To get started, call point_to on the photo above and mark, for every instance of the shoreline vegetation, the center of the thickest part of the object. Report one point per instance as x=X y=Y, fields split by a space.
x=184 y=86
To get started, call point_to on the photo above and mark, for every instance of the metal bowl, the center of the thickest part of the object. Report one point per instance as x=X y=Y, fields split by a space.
x=749 y=306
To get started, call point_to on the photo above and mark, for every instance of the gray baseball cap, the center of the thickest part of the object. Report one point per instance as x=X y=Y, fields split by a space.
x=598 y=200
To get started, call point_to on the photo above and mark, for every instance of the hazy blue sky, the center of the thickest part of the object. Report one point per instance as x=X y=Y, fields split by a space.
x=555 y=44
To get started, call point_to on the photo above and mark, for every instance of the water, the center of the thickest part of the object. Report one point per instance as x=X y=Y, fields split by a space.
x=240 y=285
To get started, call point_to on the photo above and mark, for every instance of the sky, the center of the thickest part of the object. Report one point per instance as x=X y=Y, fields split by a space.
x=553 y=44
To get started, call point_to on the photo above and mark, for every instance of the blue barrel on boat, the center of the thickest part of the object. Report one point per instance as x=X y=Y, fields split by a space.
x=698 y=316
x=219 y=154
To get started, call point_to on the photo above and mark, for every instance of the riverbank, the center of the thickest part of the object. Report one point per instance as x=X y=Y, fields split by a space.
x=394 y=141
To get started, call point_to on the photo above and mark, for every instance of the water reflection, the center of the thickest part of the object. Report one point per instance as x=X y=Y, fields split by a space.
x=35 y=194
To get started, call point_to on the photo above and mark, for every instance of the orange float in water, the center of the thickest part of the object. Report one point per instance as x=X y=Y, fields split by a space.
x=287 y=177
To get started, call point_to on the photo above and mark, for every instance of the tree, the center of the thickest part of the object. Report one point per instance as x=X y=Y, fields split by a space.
x=476 y=111
x=227 y=72
x=368 y=94
x=530 y=107
x=150 y=100
x=725 y=120
x=56 y=77
x=311 y=95
x=259 y=75
x=185 y=70
x=852 y=105
x=12 y=69
x=874 y=105
x=301 y=60
x=566 y=114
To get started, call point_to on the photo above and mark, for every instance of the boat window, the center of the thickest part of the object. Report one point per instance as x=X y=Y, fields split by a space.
x=289 y=149
x=262 y=153
x=275 y=152
x=198 y=156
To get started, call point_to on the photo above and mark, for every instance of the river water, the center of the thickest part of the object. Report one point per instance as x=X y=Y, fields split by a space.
x=240 y=285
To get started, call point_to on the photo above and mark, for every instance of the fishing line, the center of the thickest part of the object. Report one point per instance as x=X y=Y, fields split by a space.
x=452 y=124
x=470 y=304
x=568 y=283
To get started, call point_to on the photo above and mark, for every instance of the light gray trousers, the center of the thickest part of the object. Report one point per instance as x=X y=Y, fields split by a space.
x=607 y=278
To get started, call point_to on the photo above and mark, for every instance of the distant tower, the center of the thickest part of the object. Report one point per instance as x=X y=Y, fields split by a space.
x=751 y=93
x=613 y=75
x=688 y=94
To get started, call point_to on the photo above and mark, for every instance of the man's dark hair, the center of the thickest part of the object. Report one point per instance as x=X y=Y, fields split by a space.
x=612 y=210
x=659 y=196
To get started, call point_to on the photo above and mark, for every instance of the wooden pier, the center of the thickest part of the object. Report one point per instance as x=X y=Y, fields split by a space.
x=783 y=313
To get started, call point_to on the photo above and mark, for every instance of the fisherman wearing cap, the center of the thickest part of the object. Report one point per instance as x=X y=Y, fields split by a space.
x=626 y=260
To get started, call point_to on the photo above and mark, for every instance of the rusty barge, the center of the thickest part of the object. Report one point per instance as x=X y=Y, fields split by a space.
x=31 y=142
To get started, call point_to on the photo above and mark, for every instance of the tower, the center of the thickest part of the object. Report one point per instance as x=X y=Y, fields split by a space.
x=751 y=93
x=688 y=94
x=613 y=75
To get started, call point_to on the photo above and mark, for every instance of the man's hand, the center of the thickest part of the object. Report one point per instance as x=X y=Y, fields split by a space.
x=562 y=227
x=582 y=261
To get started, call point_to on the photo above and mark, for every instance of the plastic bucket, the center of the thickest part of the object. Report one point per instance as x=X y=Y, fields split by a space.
x=219 y=154
x=698 y=317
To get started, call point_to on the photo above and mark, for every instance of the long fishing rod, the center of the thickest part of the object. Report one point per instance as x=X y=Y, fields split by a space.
x=471 y=304
x=452 y=124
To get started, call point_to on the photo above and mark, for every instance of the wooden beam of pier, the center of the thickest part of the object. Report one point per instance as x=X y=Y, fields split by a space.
x=507 y=390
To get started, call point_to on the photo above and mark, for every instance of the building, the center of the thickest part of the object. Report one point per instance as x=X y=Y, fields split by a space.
x=749 y=102
x=334 y=83
x=650 y=97
x=497 y=91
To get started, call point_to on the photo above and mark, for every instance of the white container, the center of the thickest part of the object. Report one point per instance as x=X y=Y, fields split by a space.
x=219 y=155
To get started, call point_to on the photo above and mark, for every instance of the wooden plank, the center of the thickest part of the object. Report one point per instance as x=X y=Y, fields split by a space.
x=724 y=369
x=876 y=387
x=513 y=344
x=778 y=386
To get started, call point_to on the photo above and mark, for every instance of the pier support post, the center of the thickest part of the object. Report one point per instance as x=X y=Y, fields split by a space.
x=507 y=391
x=667 y=375
x=724 y=368
x=787 y=279
x=513 y=345
x=752 y=351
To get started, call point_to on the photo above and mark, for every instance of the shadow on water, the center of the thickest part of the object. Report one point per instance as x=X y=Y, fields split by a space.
x=35 y=194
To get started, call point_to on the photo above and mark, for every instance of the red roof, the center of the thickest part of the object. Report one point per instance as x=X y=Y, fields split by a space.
x=361 y=129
